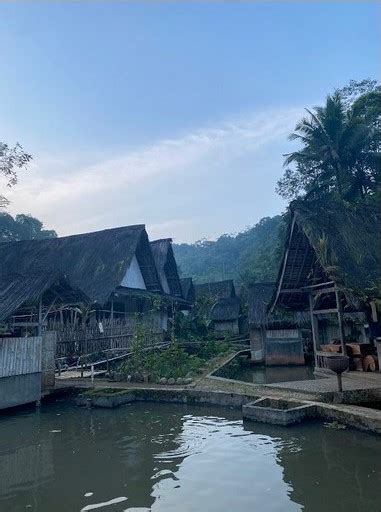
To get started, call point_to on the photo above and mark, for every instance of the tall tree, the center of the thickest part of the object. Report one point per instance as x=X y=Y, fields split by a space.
x=22 y=227
x=341 y=146
x=12 y=159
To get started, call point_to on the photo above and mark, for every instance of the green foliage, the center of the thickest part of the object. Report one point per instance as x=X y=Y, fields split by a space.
x=250 y=256
x=173 y=362
x=210 y=349
x=12 y=159
x=341 y=143
x=22 y=227
x=190 y=328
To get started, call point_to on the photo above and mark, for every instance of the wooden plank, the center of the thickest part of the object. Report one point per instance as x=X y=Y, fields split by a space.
x=317 y=285
x=284 y=265
x=20 y=356
x=315 y=329
x=325 y=311
x=340 y=320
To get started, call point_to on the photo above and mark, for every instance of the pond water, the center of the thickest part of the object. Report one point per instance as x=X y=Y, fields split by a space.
x=240 y=369
x=180 y=458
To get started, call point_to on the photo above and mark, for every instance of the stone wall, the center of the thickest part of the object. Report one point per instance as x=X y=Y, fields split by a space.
x=256 y=345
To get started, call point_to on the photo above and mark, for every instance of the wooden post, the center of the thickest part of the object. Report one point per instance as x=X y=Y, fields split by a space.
x=112 y=311
x=39 y=327
x=340 y=320
x=314 y=326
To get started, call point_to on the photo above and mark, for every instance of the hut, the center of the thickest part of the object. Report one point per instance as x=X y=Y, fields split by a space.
x=277 y=338
x=216 y=290
x=167 y=267
x=331 y=268
x=226 y=315
x=93 y=280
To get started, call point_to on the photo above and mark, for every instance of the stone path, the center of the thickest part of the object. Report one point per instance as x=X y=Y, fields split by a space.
x=326 y=385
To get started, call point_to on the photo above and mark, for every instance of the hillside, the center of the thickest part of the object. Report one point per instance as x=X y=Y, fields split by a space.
x=250 y=256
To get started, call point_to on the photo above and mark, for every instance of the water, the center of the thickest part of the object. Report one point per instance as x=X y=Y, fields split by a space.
x=240 y=369
x=179 y=458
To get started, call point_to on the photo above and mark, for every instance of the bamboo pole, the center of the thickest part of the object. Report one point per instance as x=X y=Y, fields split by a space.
x=340 y=320
x=315 y=328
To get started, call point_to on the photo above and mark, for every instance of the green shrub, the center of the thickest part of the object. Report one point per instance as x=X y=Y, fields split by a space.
x=173 y=361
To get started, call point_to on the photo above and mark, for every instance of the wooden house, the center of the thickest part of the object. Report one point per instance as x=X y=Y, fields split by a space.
x=216 y=290
x=331 y=268
x=226 y=315
x=168 y=274
x=276 y=338
x=167 y=267
x=93 y=280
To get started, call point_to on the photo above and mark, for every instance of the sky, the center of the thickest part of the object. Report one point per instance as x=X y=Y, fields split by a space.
x=173 y=115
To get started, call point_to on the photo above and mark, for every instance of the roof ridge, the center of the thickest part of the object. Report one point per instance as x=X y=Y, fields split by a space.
x=119 y=228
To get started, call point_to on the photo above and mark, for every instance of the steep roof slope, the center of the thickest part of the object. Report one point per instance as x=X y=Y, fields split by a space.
x=333 y=241
x=166 y=266
x=225 y=310
x=187 y=289
x=218 y=289
x=94 y=263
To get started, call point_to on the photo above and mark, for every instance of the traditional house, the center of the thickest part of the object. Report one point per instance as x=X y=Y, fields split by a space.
x=226 y=315
x=276 y=338
x=216 y=290
x=95 y=278
x=167 y=267
x=332 y=268
x=188 y=290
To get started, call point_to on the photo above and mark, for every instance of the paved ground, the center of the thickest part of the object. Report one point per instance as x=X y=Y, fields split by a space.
x=327 y=385
x=300 y=390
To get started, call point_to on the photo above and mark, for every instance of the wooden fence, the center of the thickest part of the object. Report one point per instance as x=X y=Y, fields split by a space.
x=20 y=356
x=75 y=340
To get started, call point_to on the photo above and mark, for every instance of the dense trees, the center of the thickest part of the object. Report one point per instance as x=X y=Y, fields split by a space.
x=341 y=143
x=339 y=156
x=22 y=227
x=251 y=256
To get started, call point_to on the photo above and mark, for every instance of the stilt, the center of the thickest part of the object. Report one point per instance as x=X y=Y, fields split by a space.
x=315 y=328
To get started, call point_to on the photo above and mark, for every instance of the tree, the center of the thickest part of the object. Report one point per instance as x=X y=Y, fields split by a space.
x=341 y=145
x=250 y=256
x=22 y=227
x=12 y=159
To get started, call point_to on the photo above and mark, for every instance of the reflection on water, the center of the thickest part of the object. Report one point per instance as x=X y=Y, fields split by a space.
x=240 y=369
x=178 y=458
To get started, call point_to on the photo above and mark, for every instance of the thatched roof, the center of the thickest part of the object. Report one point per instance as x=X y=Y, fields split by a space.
x=330 y=241
x=225 y=310
x=259 y=300
x=187 y=288
x=218 y=289
x=166 y=266
x=94 y=263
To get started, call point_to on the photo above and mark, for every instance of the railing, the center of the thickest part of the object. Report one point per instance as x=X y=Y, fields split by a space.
x=75 y=340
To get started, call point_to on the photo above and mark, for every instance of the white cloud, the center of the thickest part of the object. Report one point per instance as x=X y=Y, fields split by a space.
x=73 y=197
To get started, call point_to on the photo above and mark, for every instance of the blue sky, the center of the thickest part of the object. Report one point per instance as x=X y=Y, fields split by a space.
x=175 y=115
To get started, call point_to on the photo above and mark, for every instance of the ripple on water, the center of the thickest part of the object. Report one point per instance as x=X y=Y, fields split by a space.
x=103 y=504
x=195 y=434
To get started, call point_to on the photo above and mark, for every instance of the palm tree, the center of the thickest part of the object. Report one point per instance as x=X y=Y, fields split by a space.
x=340 y=153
